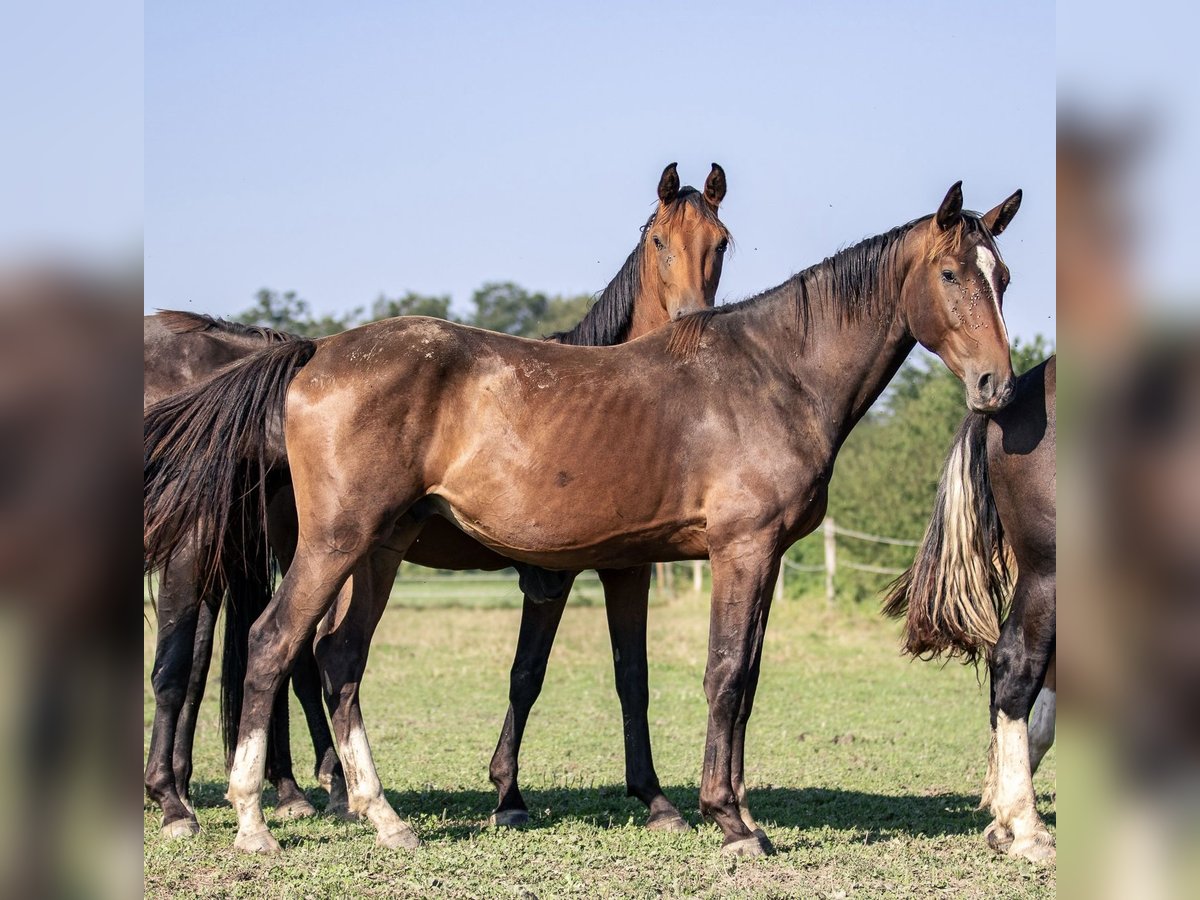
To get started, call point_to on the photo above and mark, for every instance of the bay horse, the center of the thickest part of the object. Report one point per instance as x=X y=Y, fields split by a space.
x=996 y=499
x=712 y=437
x=182 y=349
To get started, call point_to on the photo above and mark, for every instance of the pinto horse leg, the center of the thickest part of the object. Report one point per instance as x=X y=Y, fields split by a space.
x=539 y=624
x=185 y=728
x=742 y=585
x=626 y=596
x=1018 y=667
x=178 y=610
x=342 y=657
x=1041 y=720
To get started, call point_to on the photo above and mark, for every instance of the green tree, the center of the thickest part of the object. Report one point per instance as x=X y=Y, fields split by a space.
x=287 y=311
x=412 y=304
x=508 y=307
x=564 y=313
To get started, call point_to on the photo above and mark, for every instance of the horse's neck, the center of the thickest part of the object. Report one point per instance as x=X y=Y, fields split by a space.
x=649 y=311
x=839 y=365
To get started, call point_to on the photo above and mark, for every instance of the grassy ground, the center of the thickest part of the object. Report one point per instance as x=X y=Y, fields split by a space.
x=864 y=767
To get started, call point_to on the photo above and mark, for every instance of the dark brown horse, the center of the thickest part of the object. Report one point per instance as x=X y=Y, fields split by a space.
x=180 y=350
x=675 y=268
x=713 y=437
x=996 y=499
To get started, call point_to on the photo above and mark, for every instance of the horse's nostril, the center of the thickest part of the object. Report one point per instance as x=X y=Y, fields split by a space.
x=985 y=385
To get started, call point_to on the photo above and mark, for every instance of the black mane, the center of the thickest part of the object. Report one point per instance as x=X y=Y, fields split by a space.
x=855 y=282
x=182 y=322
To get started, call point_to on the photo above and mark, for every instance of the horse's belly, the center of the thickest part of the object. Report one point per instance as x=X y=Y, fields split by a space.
x=564 y=539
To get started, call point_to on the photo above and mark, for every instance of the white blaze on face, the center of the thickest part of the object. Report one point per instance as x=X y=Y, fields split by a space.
x=986 y=260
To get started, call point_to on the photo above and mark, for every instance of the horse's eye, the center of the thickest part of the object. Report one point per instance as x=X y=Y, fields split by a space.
x=948 y=276
x=723 y=246
x=658 y=242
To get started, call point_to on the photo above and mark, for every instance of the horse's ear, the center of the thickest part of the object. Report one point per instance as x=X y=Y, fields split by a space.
x=997 y=219
x=714 y=188
x=668 y=185
x=951 y=207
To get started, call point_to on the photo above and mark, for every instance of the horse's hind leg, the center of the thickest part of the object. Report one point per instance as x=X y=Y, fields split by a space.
x=1018 y=667
x=1041 y=720
x=185 y=729
x=306 y=681
x=290 y=802
x=539 y=624
x=276 y=638
x=178 y=610
x=626 y=596
x=342 y=657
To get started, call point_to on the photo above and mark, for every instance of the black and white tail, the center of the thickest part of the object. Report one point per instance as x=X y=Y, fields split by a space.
x=956 y=590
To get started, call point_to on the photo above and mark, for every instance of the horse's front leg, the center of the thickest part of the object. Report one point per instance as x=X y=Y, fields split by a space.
x=539 y=625
x=1018 y=667
x=743 y=576
x=626 y=597
x=743 y=717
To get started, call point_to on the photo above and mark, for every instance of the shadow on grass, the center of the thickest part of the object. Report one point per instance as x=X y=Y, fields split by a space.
x=880 y=817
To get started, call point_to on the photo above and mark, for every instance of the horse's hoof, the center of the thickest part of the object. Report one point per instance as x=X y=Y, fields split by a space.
x=672 y=823
x=508 y=818
x=296 y=809
x=402 y=838
x=767 y=846
x=998 y=837
x=751 y=846
x=1038 y=848
x=180 y=828
x=260 y=842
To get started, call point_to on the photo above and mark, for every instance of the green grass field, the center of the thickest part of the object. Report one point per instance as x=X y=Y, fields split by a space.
x=864 y=768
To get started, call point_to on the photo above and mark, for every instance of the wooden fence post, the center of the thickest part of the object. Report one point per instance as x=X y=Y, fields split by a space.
x=697 y=575
x=830 y=559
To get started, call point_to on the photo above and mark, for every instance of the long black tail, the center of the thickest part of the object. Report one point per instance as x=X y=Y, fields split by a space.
x=207 y=452
x=956 y=589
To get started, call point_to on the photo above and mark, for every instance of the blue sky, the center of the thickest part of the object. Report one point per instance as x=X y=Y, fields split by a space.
x=341 y=151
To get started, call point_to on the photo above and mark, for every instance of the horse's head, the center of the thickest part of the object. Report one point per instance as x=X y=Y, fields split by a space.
x=953 y=297
x=684 y=244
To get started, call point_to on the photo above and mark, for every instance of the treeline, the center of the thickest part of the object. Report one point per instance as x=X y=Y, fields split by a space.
x=885 y=477
x=497 y=306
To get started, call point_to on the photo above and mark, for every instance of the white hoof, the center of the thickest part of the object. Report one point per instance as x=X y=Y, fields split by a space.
x=675 y=824
x=402 y=838
x=1036 y=848
x=297 y=809
x=509 y=818
x=260 y=842
x=750 y=846
x=180 y=828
